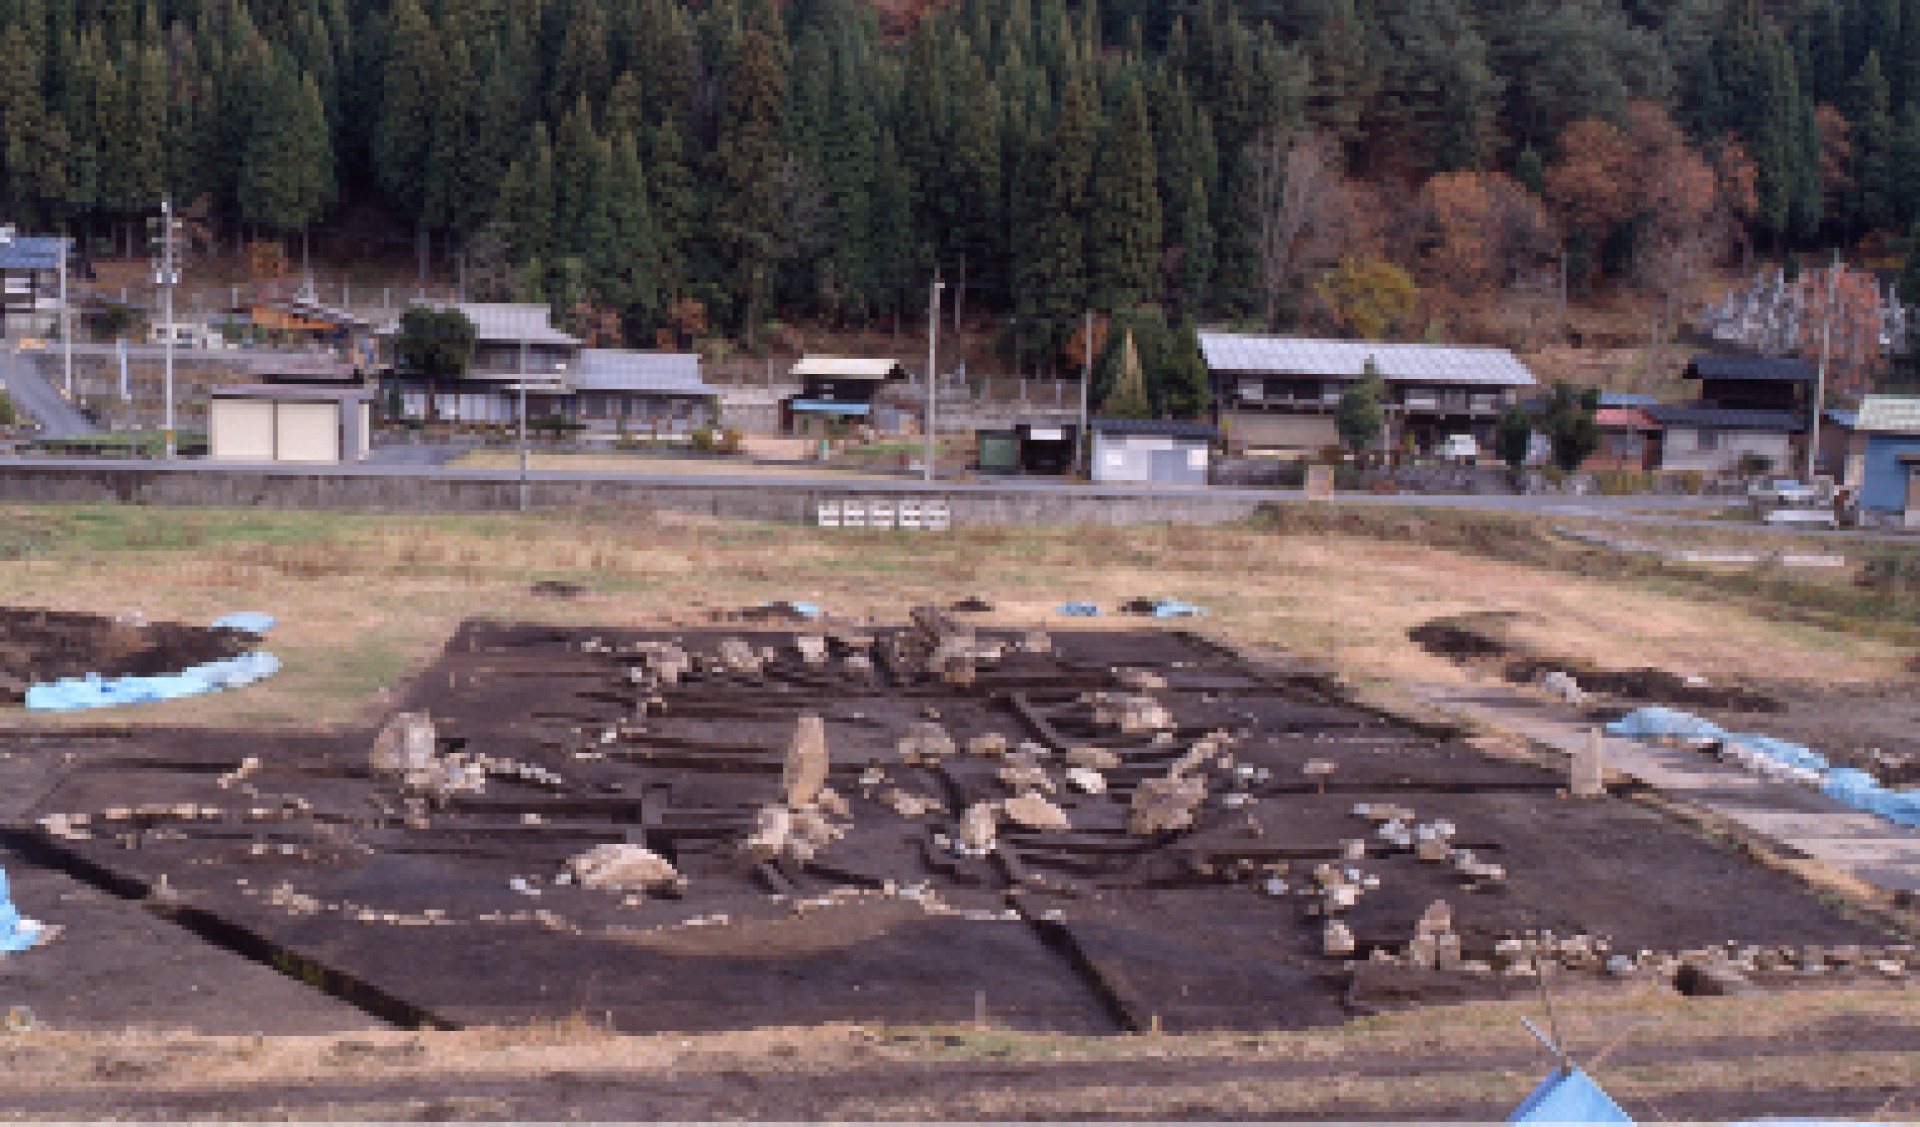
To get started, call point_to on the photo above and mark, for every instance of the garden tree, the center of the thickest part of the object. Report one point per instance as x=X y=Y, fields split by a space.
x=1513 y=436
x=1571 y=424
x=1124 y=234
x=746 y=169
x=1367 y=298
x=1361 y=414
x=435 y=345
x=1128 y=397
x=1854 y=317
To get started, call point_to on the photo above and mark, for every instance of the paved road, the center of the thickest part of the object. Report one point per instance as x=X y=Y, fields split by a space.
x=34 y=397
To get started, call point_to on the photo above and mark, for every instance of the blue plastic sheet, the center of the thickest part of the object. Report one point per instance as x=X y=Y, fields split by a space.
x=15 y=934
x=1569 y=1096
x=1657 y=722
x=1792 y=754
x=1863 y=792
x=1174 y=608
x=75 y=694
x=808 y=611
x=1080 y=610
x=251 y=621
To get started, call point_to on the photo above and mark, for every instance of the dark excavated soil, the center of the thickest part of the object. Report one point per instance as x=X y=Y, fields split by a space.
x=46 y=645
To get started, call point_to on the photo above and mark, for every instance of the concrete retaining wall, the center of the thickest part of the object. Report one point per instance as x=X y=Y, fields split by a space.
x=771 y=500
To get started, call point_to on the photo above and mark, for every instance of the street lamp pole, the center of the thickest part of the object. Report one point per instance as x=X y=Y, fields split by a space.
x=933 y=372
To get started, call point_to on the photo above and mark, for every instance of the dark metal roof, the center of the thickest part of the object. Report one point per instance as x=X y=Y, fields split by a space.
x=1160 y=428
x=1725 y=418
x=307 y=392
x=1771 y=369
x=31 y=252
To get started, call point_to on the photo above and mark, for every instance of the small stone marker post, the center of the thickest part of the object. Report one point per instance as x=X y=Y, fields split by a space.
x=1586 y=772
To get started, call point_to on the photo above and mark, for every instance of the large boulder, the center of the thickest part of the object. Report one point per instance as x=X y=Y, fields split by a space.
x=1165 y=805
x=1036 y=813
x=626 y=868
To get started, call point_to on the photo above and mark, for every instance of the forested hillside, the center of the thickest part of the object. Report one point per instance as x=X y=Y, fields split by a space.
x=666 y=164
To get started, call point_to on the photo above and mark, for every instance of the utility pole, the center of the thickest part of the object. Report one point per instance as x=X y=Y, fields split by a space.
x=1820 y=383
x=66 y=320
x=523 y=426
x=1085 y=442
x=933 y=371
x=166 y=275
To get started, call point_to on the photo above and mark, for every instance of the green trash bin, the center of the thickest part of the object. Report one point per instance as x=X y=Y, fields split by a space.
x=999 y=452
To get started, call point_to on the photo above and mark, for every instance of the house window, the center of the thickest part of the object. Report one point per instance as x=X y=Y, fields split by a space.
x=1706 y=440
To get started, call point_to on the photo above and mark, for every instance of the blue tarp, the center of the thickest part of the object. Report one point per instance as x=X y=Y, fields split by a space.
x=1568 y=1096
x=1857 y=789
x=1656 y=723
x=1174 y=608
x=828 y=407
x=1792 y=754
x=75 y=694
x=1861 y=791
x=15 y=935
x=807 y=611
x=250 y=621
x=1080 y=610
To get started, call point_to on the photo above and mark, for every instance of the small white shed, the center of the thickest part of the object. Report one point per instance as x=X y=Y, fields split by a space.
x=289 y=423
x=1151 y=451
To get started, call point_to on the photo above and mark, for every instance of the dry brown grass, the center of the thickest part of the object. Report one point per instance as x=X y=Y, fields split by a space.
x=365 y=599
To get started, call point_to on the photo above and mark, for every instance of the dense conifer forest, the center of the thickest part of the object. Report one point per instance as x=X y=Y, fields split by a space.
x=662 y=168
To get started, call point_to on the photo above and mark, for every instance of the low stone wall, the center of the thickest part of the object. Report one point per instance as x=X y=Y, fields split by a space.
x=361 y=490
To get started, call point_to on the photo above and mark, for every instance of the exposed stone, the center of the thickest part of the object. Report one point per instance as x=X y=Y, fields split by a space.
x=625 y=868
x=1036 y=813
x=907 y=805
x=979 y=826
x=406 y=743
x=1131 y=713
x=987 y=745
x=1336 y=940
x=812 y=647
x=1087 y=780
x=1162 y=805
x=1093 y=758
x=1022 y=778
x=1035 y=642
x=925 y=742
x=1436 y=920
x=807 y=762
x=1139 y=680
x=738 y=657
x=772 y=833
x=830 y=802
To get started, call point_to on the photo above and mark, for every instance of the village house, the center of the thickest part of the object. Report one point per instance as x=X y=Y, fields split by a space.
x=30 y=283
x=1890 y=471
x=516 y=348
x=838 y=389
x=1277 y=395
x=1751 y=416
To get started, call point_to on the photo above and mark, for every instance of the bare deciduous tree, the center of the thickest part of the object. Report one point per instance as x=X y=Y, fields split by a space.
x=1299 y=204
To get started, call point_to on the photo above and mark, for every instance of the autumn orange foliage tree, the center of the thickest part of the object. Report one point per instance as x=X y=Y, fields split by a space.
x=1854 y=350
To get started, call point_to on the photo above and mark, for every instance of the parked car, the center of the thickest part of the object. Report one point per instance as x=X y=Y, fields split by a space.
x=1458 y=448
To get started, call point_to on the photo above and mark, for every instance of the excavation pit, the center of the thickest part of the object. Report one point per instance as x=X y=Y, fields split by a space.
x=448 y=906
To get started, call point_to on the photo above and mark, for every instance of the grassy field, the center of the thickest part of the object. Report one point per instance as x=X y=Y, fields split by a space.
x=1661 y=1056
x=364 y=599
